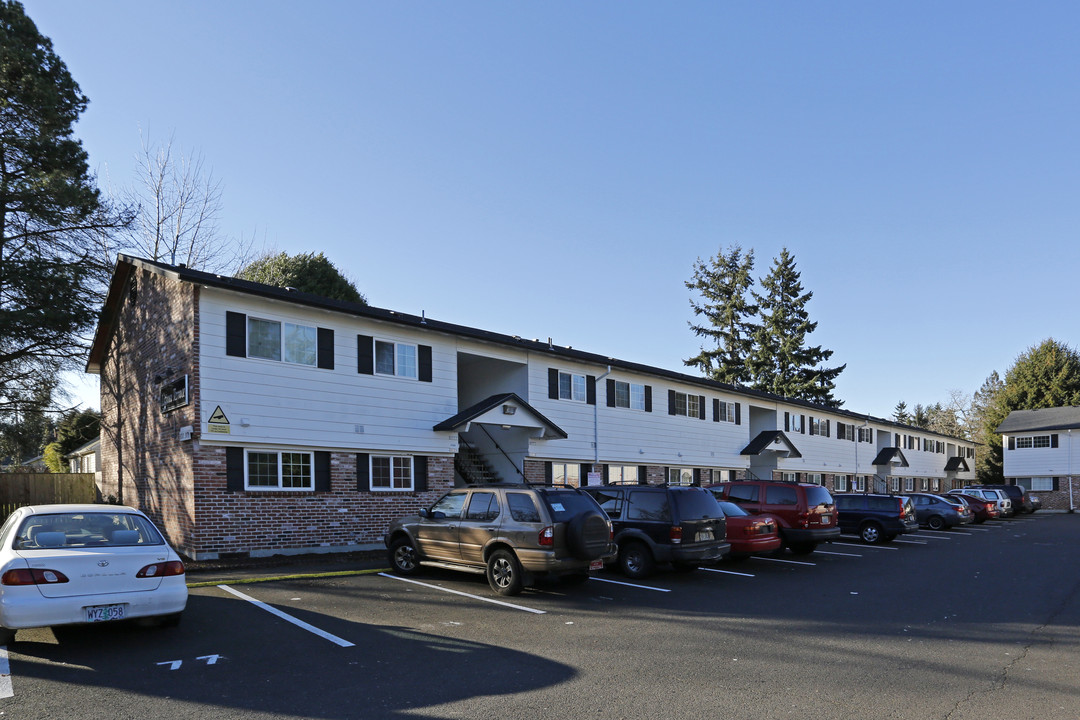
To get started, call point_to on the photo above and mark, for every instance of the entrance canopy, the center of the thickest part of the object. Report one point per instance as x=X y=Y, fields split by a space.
x=507 y=410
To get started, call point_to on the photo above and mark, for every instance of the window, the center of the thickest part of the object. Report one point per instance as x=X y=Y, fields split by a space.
x=727 y=411
x=483 y=506
x=1042 y=483
x=648 y=505
x=840 y=483
x=628 y=395
x=622 y=475
x=572 y=387
x=391 y=472
x=866 y=434
x=680 y=476
x=797 y=424
x=789 y=477
x=566 y=474
x=687 y=405
x=273 y=340
x=744 y=493
x=522 y=507
x=935 y=485
x=844 y=431
x=449 y=505
x=394 y=358
x=278 y=470
x=781 y=495
x=860 y=483
x=814 y=478
x=894 y=483
x=909 y=484
x=923 y=485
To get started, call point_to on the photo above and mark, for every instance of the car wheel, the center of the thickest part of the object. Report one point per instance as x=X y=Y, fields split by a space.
x=403 y=557
x=504 y=573
x=870 y=533
x=803 y=548
x=635 y=560
x=936 y=523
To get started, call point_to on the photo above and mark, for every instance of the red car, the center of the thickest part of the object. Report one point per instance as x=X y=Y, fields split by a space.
x=982 y=508
x=748 y=534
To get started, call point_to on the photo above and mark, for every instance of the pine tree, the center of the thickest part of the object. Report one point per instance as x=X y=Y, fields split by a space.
x=901 y=414
x=781 y=362
x=723 y=284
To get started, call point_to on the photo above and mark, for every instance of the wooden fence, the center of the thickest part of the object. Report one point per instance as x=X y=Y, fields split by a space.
x=19 y=489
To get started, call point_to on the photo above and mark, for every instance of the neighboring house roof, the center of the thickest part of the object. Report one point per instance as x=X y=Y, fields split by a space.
x=888 y=455
x=126 y=265
x=1059 y=418
x=774 y=440
x=85 y=449
x=476 y=411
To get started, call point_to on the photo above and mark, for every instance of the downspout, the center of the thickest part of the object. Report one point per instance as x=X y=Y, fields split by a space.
x=1072 y=507
x=596 y=423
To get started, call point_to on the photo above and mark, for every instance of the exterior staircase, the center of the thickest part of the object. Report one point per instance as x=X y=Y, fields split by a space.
x=471 y=466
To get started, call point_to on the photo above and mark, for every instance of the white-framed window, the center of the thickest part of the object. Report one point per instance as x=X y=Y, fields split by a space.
x=392 y=472
x=789 y=477
x=935 y=485
x=395 y=358
x=844 y=431
x=680 y=476
x=277 y=470
x=1044 y=484
x=866 y=434
x=815 y=478
x=840 y=483
x=797 y=424
x=687 y=405
x=629 y=395
x=894 y=484
x=275 y=340
x=622 y=474
x=727 y=411
x=924 y=485
x=566 y=474
x=909 y=484
x=572 y=387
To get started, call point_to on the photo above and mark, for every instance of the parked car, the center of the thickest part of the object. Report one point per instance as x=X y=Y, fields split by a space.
x=748 y=534
x=1019 y=495
x=75 y=564
x=940 y=513
x=1036 y=503
x=981 y=508
x=513 y=534
x=805 y=514
x=875 y=518
x=1002 y=500
x=655 y=524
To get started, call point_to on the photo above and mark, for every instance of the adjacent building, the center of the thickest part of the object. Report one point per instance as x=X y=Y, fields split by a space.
x=249 y=419
x=1038 y=450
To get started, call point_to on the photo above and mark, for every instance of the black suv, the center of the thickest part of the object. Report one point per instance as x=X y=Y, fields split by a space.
x=1021 y=499
x=511 y=533
x=805 y=514
x=876 y=518
x=654 y=524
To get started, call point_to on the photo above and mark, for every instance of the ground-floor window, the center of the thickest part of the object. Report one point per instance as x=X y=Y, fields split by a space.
x=1044 y=484
x=390 y=472
x=894 y=484
x=566 y=474
x=840 y=483
x=815 y=478
x=935 y=485
x=909 y=484
x=789 y=477
x=860 y=483
x=622 y=474
x=269 y=470
x=680 y=476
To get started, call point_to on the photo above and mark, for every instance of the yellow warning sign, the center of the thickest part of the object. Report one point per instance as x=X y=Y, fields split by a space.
x=218 y=417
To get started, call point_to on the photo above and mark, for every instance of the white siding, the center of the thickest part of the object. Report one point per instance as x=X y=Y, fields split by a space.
x=1041 y=462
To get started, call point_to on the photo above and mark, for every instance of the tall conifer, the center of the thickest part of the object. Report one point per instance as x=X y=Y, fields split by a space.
x=723 y=284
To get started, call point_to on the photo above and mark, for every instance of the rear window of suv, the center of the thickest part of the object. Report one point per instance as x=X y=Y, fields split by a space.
x=818 y=496
x=566 y=504
x=884 y=503
x=747 y=493
x=783 y=495
x=695 y=504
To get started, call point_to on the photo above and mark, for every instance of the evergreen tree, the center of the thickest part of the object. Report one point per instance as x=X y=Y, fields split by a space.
x=1044 y=376
x=306 y=272
x=982 y=406
x=723 y=284
x=901 y=414
x=781 y=362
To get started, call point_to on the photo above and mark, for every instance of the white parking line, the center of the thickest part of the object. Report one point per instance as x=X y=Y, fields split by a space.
x=287 y=617
x=618 y=582
x=977 y=529
x=911 y=542
x=6 y=690
x=864 y=547
x=789 y=562
x=493 y=601
x=935 y=537
x=826 y=552
x=726 y=572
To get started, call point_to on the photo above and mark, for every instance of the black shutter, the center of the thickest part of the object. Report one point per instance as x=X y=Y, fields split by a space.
x=827 y=422
x=610 y=393
x=1053 y=440
x=584 y=480
x=1012 y=443
x=234 y=469
x=738 y=413
x=1055 y=486
x=549 y=474
x=325 y=341
x=590 y=389
x=670 y=402
x=420 y=463
x=701 y=407
x=787 y=422
x=236 y=334
x=643 y=475
x=423 y=357
x=553 y=384
x=365 y=354
x=802 y=424
x=322 y=471
x=648 y=398
x=715 y=410
x=363 y=475
x=840 y=430
x=607 y=477
x=697 y=478
x=811 y=424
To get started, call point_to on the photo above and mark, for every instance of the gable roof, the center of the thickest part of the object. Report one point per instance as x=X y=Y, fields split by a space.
x=1059 y=418
x=478 y=410
x=888 y=455
x=956 y=463
x=126 y=266
x=766 y=441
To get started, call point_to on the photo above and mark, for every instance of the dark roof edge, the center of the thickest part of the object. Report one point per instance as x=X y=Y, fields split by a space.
x=185 y=274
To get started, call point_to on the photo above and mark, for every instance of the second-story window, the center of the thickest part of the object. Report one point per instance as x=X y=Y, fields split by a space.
x=395 y=358
x=572 y=387
x=273 y=340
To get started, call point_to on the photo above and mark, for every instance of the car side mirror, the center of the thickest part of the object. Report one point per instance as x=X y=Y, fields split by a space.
x=424 y=513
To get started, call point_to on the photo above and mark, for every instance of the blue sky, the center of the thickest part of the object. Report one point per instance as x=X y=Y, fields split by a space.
x=554 y=169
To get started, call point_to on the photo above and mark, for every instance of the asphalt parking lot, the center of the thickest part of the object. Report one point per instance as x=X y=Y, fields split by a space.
x=982 y=622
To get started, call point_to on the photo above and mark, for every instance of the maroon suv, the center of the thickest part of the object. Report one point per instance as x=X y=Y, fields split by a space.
x=805 y=514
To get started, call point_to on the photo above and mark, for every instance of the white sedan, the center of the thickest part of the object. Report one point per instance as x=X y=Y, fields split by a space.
x=66 y=564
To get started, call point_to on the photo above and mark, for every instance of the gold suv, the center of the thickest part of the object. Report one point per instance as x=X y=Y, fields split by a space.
x=512 y=533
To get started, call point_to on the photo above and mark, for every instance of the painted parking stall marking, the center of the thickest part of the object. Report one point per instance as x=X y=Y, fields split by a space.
x=6 y=689
x=633 y=585
x=841 y=554
x=727 y=572
x=288 y=618
x=864 y=547
x=493 y=601
x=789 y=562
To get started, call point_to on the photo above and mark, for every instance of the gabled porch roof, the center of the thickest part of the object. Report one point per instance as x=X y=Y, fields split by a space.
x=771 y=441
x=891 y=456
x=504 y=409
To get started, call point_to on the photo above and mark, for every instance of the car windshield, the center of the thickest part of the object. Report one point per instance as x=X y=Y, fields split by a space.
x=818 y=496
x=86 y=529
x=696 y=504
x=566 y=504
x=731 y=509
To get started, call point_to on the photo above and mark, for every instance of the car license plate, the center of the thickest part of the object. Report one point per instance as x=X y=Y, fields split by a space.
x=104 y=613
x=825 y=519
x=705 y=536
x=596 y=565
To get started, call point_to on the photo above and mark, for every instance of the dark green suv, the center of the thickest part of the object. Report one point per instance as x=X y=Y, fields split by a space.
x=512 y=533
